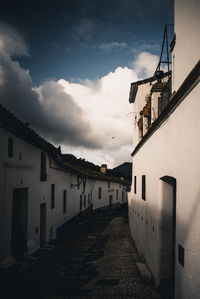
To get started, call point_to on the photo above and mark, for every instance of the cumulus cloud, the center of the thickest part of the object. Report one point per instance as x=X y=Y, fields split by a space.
x=49 y=109
x=11 y=42
x=106 y=108
x=145 y=64
x=90 y=119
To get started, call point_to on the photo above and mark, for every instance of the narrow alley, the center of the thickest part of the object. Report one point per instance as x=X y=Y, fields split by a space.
x=94 y=260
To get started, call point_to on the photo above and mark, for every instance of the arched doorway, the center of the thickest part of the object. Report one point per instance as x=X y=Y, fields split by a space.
x=168 y=233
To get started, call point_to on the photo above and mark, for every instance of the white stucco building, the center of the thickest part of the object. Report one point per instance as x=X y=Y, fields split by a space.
x=164 y=202
x=39 y=192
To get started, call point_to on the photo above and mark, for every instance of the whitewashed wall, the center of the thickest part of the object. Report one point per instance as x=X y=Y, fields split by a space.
x=25 y=173
x=187 y=48
x=106 y=192
x=173 y=150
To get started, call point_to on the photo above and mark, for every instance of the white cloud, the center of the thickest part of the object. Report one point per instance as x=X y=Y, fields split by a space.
x=106 y=109
x=112 y=45
x=90 y=119
x=11 y=42
x=145 y=64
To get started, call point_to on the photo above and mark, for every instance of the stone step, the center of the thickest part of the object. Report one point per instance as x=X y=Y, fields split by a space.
x=144 y=272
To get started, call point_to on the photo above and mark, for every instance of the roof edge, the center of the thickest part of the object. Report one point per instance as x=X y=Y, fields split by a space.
x=10 y=123
x=134 y=86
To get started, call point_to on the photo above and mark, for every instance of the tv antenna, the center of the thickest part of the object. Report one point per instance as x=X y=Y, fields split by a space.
x=164 y=55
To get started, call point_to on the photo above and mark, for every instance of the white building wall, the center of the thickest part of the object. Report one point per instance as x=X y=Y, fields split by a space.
x=173 y=150
x=106 y=192
x=86 y=193
x=104 y=200
x=24 y=172
x=187 y=48
x=16 y=174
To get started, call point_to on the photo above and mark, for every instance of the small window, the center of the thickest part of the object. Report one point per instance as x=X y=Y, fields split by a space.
x=78 y=183
x=10 y=147
x=181 y=255
x=99 y=192
x=135 y=184
x=149 y=119
x=117 y=194
x=85 y=200
x=80 y=202
x=52 y=196
x=144 y=187
x=108 y=184
x=43 y=172
x=159 y=105
x=64 y=201
x=122 y=195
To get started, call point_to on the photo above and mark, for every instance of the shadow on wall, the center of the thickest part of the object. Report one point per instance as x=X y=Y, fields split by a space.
x=167 y=233
x=172 y=247
x=190 y=231
x=172 y=252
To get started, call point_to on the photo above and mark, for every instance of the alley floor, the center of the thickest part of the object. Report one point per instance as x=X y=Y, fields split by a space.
x=94 y=260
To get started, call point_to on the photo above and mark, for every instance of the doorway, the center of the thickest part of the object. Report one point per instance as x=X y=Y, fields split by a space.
x=42 y=224
x=168 y=233
x=19 y=222
x=110 y=201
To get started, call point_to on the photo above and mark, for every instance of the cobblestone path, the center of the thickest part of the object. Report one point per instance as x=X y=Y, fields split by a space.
x=117 y=274
x=96 y=260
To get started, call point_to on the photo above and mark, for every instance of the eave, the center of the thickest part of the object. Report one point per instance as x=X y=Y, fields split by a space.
x=134 y=86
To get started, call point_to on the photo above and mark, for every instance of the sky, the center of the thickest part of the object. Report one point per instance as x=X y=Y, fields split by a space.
x=66 y=68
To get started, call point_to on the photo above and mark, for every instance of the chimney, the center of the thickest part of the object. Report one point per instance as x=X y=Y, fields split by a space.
x=103 y=168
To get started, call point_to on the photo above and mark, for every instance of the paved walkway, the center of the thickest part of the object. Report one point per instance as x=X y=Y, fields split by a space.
x=117 y=274
x=96 y=260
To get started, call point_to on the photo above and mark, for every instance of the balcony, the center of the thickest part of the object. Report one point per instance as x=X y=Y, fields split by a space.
x=156 y=102
x=164 y=99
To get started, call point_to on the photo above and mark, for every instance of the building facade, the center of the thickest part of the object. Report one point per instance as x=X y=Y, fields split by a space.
x=164 y=207
x=39 y=192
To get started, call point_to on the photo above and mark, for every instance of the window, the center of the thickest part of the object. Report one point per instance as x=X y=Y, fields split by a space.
x=140 y=127
x=108 y=184
x=91 y=196
x=141 y=131
x=122 y=195
x=149 y=119
x=143 y=187
x=135 y=184
x=181 y=255
x=117 y=194
x=80 y=202
x=163 y=100
x=52 y=196
x=43 y=172
x=78 y=183
x=10 y=147
x=99 y=192
x=159 y=105
x=64 y=201
x=85 y=200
